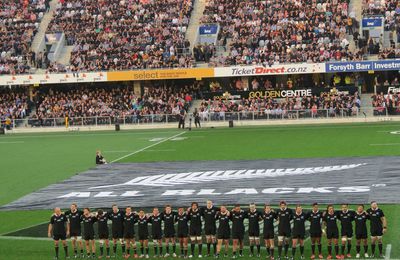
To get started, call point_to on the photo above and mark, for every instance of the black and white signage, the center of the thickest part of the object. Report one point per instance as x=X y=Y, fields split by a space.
x=330 y=180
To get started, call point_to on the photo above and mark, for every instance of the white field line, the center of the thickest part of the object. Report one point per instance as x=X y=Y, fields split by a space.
x=388 y=251
x=15 y=142
x=147 y=147
x=385 y=144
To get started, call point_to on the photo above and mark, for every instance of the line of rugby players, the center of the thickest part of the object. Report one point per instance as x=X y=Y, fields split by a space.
x=220 y=225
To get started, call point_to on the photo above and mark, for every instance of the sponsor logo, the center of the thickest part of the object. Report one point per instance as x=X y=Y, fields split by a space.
x=173 y=179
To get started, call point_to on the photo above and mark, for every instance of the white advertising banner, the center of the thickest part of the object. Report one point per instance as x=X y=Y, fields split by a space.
x=284 y=69
x=35 y=79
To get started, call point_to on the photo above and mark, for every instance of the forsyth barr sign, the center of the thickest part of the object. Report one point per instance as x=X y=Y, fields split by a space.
x=322 y=180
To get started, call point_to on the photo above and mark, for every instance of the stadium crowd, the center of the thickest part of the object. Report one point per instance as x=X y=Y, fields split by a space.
x=19 y=23
x=341 y=104
x=13 y=104
x=297 y=31
x=89 y=101
x=118 y=35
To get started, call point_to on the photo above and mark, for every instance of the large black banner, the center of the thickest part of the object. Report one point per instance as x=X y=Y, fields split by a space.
x=329 y=180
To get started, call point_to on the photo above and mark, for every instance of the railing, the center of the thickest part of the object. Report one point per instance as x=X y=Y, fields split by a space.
x=269 y=115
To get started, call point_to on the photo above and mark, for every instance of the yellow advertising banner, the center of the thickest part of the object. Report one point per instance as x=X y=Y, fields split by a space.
x=195 y=73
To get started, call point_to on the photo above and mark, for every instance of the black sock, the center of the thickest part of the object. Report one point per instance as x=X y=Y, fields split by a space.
x=82 y=251
x=313 y=249
x=348 y=247
x=319 y=248
x=286 y=249
x=258 y=249
x=293 y=251
x=208 y=248
x=200 y=248
x=134 y=251
x=279 y=251
x=115 y=249
x=272 y=251
x=123 y=248
x=336 y=249
x=186 y=251
x=88 y=254
x=174 y=248
x=181 y=250
x=343 y=248
x=252 y=249
x=366 y=249
x=192 y=246
x=302 y=250
x=66 y=250
x=160 y=248
x=147 y=250
x=101 y=250
x=329 y=249
x=373 y=249
x=167 y=248
x=56 y=249
x=215 y=248
x=268 y=251
x=380 y=247
x=128 y=251
x=108 y=250
x=141 y=250
x=75 y=251
x=155 y=250
x=240 y=251
x=358 y=249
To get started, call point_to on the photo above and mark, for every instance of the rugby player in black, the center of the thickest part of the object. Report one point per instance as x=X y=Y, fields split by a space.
x=143 y=234
x=360 y=219
x=102 y=231
x=210 y=229
x=156 y=231
x=378 y=227
x=88 y=221
x=284 y=216
x=117 y=228
x=224 y=230
x=129 y=231
x=183 y=231
x=254 y=217
x=315 y=218
x=194 y=214
x=168 y=216
x=59 y=228
x=237 y=216
x=332 y=231
x=346 y=218
x=268 y=217
x=298 y=231
x=74 y=216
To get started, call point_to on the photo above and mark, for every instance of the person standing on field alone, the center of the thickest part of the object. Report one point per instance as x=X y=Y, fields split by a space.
x=182 y=116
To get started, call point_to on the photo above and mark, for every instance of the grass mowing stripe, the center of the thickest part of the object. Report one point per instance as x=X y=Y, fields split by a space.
x=388 y=144
x=147 y=147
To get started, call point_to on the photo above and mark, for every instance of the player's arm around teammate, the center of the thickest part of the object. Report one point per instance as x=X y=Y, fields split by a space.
x=315 y=217
x=168 y=217
x=360 y=220
x=88 y=220
x=332 y=231
x=284 y=216
x=143 y=234
x=103 y=233
x=182 y=219
x=299 y=231
x=156 y=232
x=254 y=217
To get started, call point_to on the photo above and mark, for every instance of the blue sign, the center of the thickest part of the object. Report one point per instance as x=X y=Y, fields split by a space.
x=372 y=22
x=380 y=65
x=208 y=29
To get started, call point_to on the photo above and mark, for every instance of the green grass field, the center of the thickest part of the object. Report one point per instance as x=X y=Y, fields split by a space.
x=32 y=161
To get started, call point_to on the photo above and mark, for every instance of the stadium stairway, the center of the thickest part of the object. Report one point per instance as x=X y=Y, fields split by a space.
x=197 y=13
x=38 y=39
x=65 y=55
x=366 y=102
x=356 y=7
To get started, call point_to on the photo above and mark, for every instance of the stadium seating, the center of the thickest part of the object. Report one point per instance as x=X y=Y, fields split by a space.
x=13 y=104
x=344 y=105
x=106 y=102
x=19 y=23
x=120 y=35
x=272 y=32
